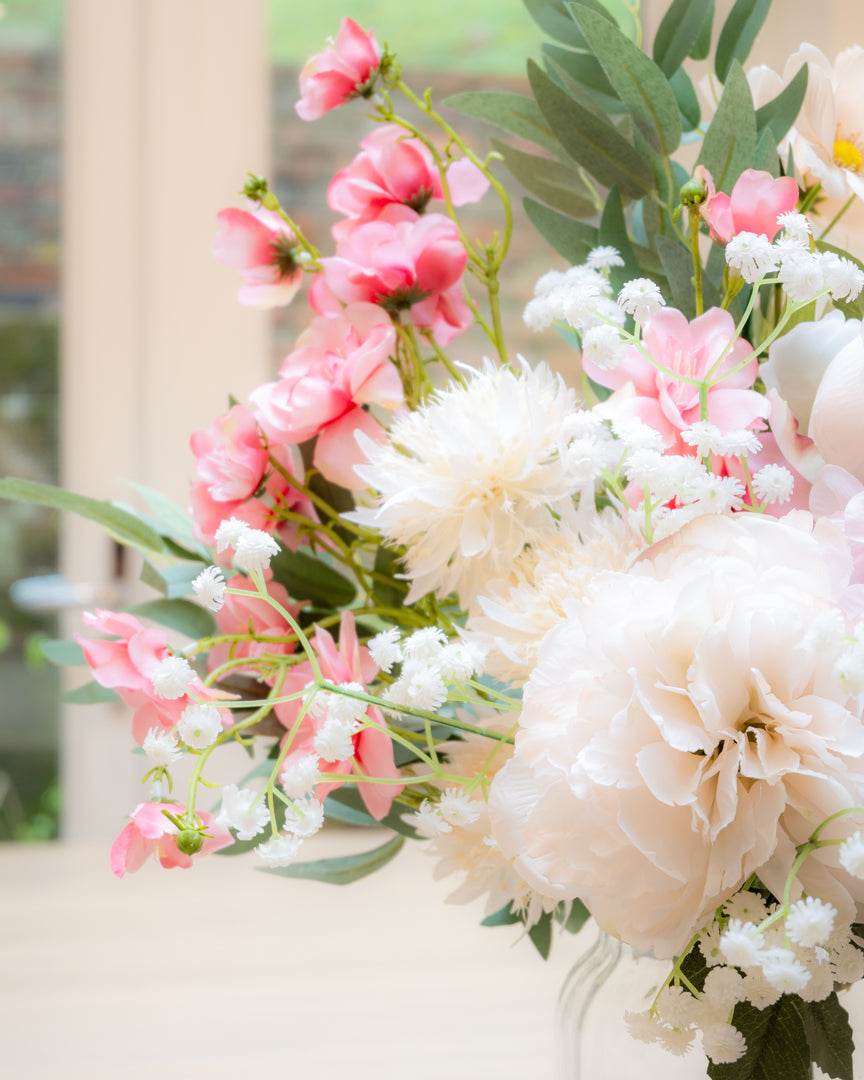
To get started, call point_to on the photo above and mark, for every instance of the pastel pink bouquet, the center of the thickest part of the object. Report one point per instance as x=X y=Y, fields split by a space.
x=598 y=646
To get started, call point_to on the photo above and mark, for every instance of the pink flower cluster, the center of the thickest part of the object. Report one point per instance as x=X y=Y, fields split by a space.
x=151 y=834
x=345 y=69
x=756 y=201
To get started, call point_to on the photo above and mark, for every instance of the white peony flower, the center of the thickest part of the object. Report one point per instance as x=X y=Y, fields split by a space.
x=677 y=721
x=469 y=478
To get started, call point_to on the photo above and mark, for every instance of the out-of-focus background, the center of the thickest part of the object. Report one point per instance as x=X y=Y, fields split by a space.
x=125 y=125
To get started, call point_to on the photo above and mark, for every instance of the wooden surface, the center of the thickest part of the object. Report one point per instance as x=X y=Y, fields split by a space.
x=223 y=972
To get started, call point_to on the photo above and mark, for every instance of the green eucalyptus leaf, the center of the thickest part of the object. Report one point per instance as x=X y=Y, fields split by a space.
x=350 y=800
x=555 y=184
x=555 y=20
x=677 y=34
x=738 y=34
x=389 y=565
x=571 y=239
x=541 y=935
x=766 y=158
x=688 y=102
x=91 y=693
x=613 y=231
x=576 y=919
x=504 y=916
x=308 y=578
x=589 y=140
x=174 y=522
x=180 y=615
x=172 y=581
x=677 y=263
x=637 y=80
x=730 y=142
x=122 y=526
x=343 y=869
x=586 y=70
x=702 y=45
x=514 y=113
x=62 y=653
x=779 y=113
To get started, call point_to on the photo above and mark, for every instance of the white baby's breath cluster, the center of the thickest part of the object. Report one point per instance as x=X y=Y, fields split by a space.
x=756 y=952
x=429 y=664
x=253 y=548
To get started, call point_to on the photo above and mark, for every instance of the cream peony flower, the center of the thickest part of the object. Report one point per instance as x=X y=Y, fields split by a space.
x=468 y=479
x=685 y=730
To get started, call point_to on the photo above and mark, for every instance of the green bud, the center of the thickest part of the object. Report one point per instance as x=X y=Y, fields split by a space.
x=693 y=193
x=257 y=189
x=190 y=841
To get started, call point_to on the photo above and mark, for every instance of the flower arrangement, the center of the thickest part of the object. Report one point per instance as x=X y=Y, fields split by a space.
x=598 y=646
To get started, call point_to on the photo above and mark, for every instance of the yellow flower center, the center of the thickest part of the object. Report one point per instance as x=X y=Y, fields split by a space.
x=847 y=155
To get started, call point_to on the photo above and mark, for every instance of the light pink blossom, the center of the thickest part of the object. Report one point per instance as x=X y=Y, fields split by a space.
x=394 y=168
x=345 y=69
x=667 y=403
x=257 y=243
x=151 y=834
x=349 y=662
x=756 y=201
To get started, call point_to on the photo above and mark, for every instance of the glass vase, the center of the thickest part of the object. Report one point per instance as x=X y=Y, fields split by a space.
x=606 y=981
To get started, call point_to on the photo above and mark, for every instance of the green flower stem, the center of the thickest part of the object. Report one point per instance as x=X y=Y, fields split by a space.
x=697 y=262
x=837 y=216
x=814 y=838
x=368 y=722
x=487 y=691
x=415 y=379
x=322 y=504
x=443 y=358
x=262 y=593
x=810 y=198
x=480 y=779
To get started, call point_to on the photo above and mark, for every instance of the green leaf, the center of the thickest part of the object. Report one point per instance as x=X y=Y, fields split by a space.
x=613 y=231
x=738 y=34
x=829 y=1035
x=388 y=564
x=589 y=140
x=730 y=141
x=776 y=1043
x=123 y=527
x=174 y=522
x=344 y=869
x=553 y=183
x=308 y=578
x=586 y=70
x=688 y=102
x=678 y=267
x=677 y=33
x=62 y=653
x=502 y=917
x=90 y=693
x=578 y=916
x=541 y=935
x=554 y=19
x=350 y=801
x=180 y=615
x=780 y=112
x=702 y=45
x=571 y=239
x=514 y=113
x=172 y=581
x=766 y=157
x=637 y=80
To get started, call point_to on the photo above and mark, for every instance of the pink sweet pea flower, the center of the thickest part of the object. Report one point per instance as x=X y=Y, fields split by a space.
x=692 y=349
x=373 y=750
x=756 y=201
x=126 y=663
x=345 y=69
x=257 y=243
x=400 y=261
x=341 y=363
x=252 y=614
x=394 y=168
x=150 y=833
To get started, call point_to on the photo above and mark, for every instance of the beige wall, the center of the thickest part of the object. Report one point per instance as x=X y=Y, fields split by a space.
x=166 y=106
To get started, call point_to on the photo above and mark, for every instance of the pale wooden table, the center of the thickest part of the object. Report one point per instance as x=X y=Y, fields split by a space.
x=224 y=972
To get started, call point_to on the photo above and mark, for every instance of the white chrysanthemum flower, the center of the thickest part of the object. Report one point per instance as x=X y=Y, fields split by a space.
x=254 y=549
x=641 y=298
x=783 y=969
x=173 y=678
x=663 y=684
x=427 y=820
x=385 y=648
x=209 y=587
x=425 y=644
x=843 y=278
x=457 y=808
x=229 y=532
x=469 y=478
x=740 y=943
x=773 y=484
x=280 y=850
x=752 y=255
x=300 y=776
x=603 y=346
x=851 y=855
x=242 y=810
x=795 y=225
x=723 y=1043
x=199 y=726
x=334 y=740
x=161 y=747
x=801 y=275
x=604 y=258
x=304 y=817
